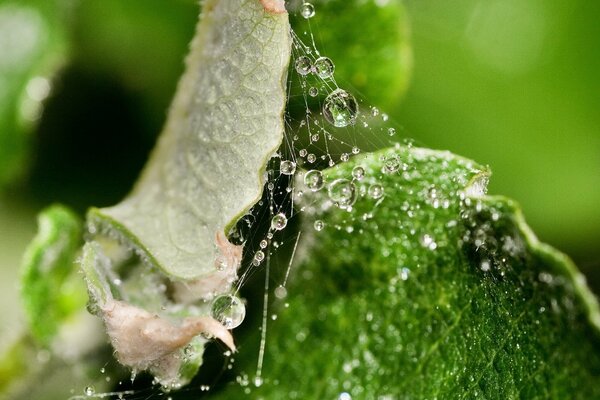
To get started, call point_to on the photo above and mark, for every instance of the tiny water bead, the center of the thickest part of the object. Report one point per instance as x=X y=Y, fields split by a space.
x=287 y=167
x=391 y=165
x=342 y=192
x=375 y=191
x=319 y=225
x=324 y=67
x=358 y=172
x=89 y=391
x=303 y=65
x=391 y=131
x=340 y=108
x=311 y=158
x=313 y=180
x=307 y=10
x=313 y=91
x=229 y=310
x=280 y=292
x=278 y=222
x=259 y=256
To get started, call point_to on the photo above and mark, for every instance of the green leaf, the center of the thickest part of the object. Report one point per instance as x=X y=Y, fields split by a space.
x=51 y=290
x=433 y=290
x=156 y=258
x=369 y=42
x=33 y=46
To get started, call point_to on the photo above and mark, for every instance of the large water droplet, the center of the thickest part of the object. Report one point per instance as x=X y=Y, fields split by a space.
x=307 y=10
x=391 y=165
x=324 y=67
x=229 y=310
x=287 y=167
x=313 y=179
x=278 y=222
x=340 y=108
x=342 y=192
x=303 y=65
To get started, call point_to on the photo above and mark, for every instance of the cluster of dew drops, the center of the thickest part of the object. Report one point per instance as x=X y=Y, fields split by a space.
x=339 y=109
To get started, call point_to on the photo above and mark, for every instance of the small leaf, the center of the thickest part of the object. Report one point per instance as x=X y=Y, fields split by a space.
x=428 y=289
x=51 y=289
x=156 y=258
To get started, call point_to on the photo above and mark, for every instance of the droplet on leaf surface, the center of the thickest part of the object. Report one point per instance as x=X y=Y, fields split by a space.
x=287 y=167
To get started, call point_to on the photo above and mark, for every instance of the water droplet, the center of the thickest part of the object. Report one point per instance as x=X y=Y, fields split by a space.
x=89 y=391
x=340 y=108
x=303 y=152
x=263 y=244
x=342 y=192
x=280 y=292
x=391 y=165
x=344 y=396
x=307 y=10
x=303 y=65
x=258 y=257
x=319 y=225
x=311 y=158
x=358 y=172
x=385 y=117
x=314 y=137
x=258 y=381
x=374 y=111
x=313 y=179
x=428 y=242
x=287 y=167
x=391 y=131
x=313 y=91
x=324 y=67
x=355 y=150
x=228 y=310
x=345 y=157
x=278 y=222
x=375 y=191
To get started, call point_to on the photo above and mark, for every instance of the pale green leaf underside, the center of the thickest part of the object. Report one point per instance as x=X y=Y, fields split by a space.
x=225 y=122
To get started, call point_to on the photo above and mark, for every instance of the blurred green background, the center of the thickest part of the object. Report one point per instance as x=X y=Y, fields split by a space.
x=85 y=85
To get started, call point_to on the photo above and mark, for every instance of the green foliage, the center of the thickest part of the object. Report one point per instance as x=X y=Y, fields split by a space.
x=432 y=291
x=51 y=290
x=360 y=37
x=32 y=47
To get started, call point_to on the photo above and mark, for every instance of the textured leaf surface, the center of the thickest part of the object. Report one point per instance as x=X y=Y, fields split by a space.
x=32 y=47
x=51 y=289
x=225 y=122
x=432 y=291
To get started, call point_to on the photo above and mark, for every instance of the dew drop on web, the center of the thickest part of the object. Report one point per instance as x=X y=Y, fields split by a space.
x=324 y=67
x=340 y=108
x=278 y=222
x=313 y=180
x=307 y=10
x=342 y=192
x=303 y=65
x=229 y=310
x=287 y=167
